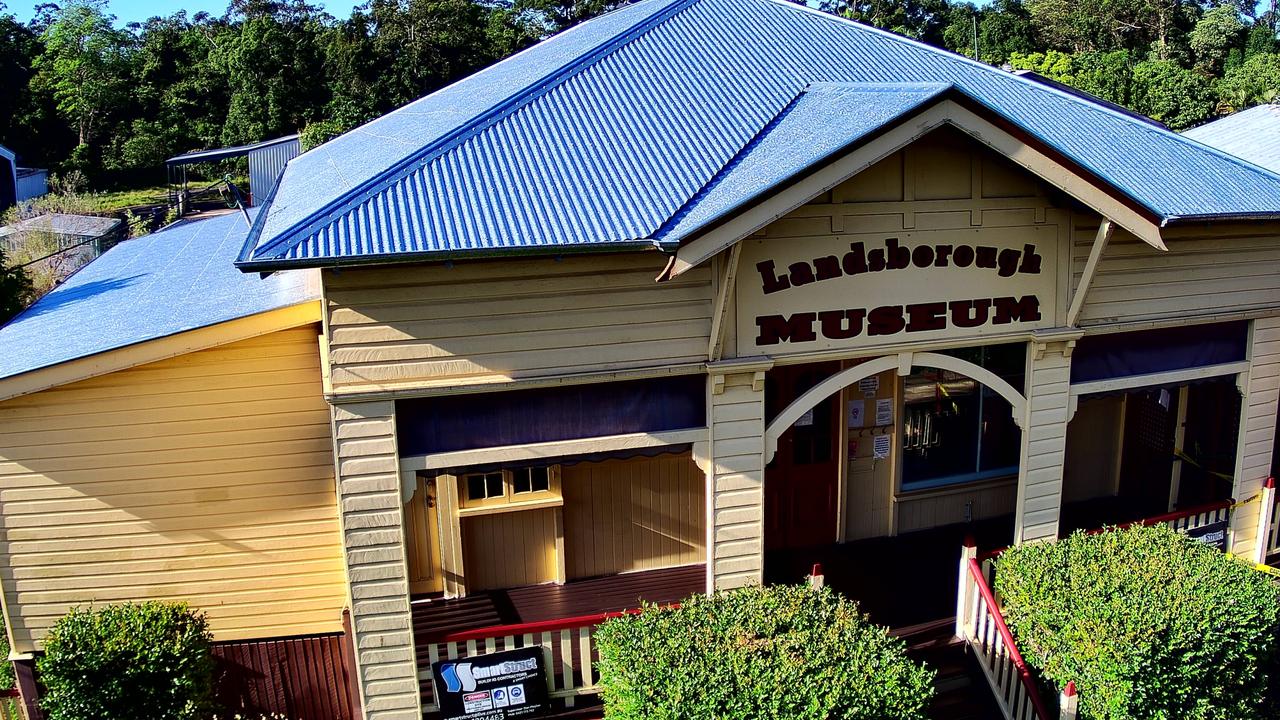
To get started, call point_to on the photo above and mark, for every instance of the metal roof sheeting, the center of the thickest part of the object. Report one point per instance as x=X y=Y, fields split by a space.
x=1252 y=135
x=199 y=156
x=178 y=279
x=598 y=137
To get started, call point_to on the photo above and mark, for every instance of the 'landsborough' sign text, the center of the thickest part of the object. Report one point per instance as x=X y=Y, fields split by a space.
x=931 y=284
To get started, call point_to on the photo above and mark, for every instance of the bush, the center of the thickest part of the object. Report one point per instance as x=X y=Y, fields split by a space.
x=1148 y=623
x=148 y=661
x=777 y=652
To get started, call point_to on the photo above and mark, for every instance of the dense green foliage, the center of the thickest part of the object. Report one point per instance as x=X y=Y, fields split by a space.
x=1148 y=624
x=757 y=653
x=15 y=289
x=83 y=93
x=148 y=661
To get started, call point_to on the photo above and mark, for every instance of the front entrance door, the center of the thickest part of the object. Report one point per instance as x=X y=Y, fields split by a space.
x=801 y=484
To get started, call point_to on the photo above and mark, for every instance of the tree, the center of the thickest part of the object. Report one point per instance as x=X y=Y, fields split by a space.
x=920 y=19
x=1171 y=94
x=1217 y=32
x=83 y=64
x=1256 y=81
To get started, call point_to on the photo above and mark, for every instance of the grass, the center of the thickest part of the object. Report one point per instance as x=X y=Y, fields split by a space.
x=113 y=201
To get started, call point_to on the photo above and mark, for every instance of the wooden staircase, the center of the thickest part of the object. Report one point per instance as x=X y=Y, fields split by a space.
x=962 y=692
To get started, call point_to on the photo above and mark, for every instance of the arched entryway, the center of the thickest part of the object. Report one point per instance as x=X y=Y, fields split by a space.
x=828 y=490
x=903 y=362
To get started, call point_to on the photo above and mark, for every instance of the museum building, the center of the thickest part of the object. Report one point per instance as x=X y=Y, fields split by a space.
x=691 y=296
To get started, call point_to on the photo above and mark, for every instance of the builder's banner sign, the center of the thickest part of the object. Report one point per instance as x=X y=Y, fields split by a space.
x=851 y=290
x=510 y=684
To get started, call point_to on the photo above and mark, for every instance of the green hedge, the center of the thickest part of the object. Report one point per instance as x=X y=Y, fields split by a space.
x=1148 y=624
x=148 y=661
x=755 y=653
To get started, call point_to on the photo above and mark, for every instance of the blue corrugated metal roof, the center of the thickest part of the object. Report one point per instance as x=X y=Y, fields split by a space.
x=1252 y=134
x=800 y=137
x=598 y=137
x=178 y=279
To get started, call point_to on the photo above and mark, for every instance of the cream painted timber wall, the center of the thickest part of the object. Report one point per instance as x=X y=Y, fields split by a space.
x=1207 y=271
x=510 y=549
x=373 y=538
x=945 y=181
x=1044 y=441
x=735 y=475
x=423 y=326
x=1260 y=403
x=634 y=514
x=207 y=477
x=1094 y=443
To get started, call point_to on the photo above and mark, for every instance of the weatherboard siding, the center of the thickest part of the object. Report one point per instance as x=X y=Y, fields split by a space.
x=1044 y=442
x=477 y=322
x=1261 y=401
x=1228 y=270
x=206 y=478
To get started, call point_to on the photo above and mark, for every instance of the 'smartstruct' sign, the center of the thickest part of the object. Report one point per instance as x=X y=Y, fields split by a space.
x=838 y=292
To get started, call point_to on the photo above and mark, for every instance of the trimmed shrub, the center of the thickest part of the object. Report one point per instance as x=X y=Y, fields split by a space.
x=1148 y=623
x=148 y=661
x=776 y=652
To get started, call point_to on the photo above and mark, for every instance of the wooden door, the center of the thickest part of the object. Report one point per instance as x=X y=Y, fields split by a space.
x=422 y=540
x=801 y=484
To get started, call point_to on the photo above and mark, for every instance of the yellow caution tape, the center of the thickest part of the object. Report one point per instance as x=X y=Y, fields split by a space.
x=1179 y=454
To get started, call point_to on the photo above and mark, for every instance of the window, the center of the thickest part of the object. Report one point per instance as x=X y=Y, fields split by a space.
x=509 y=489
x=957 y=430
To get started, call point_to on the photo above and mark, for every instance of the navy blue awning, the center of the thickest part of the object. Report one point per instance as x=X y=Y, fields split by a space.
x=425 y=426
x=1117 y=355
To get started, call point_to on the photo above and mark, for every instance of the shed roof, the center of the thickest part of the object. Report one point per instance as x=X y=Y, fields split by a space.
x=178 y=279
x=199 y=156
x=63 y=224
x=597 y=138
x=1252 y=134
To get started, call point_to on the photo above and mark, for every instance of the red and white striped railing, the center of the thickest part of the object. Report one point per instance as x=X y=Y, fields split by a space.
x=980 y=624
x=11 y=705
x=568 y=644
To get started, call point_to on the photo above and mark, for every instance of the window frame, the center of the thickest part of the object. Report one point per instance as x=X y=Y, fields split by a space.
x=509 y=500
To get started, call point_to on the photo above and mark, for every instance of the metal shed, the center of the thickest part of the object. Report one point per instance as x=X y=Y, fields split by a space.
x=266 y=162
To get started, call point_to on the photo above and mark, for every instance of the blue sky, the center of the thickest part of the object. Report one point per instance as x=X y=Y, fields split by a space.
x=127 y=11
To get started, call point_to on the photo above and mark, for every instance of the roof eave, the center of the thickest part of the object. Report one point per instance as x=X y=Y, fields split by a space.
x=277 y=264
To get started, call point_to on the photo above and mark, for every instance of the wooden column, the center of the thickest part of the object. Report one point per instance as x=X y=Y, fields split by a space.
x=733 y=460
x=372 y=516
x=1044 y=440
x=24 y=676
x=1260 y=396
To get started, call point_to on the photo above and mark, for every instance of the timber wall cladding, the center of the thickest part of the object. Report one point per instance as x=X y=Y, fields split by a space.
x=509 y=549
x=1236 y=268
x=476 y=322
x=206 y=478
x=304 y=678
x=635 y=514
x=1258 y=427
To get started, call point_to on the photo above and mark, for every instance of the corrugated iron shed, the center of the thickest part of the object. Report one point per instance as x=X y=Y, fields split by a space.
x=1252 y=134
x=597 y=138
x=178 y=279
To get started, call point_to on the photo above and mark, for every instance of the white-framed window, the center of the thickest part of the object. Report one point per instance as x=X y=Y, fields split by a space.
x=957 y=430
x=510 y=488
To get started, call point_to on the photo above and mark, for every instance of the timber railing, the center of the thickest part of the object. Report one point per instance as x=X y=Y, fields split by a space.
x=11 y=705
x=980 y=624
x=568 y=644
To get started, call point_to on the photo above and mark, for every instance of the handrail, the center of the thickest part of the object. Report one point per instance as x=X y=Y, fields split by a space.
x=1024 y=673
x=538 y=626
x=1146 y=522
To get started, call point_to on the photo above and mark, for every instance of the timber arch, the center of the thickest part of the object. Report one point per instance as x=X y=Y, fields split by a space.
x=903 y=362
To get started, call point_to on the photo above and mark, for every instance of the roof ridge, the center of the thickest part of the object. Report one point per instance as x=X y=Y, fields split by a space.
x=751 y=142
x=962 y=60
x=294 y=234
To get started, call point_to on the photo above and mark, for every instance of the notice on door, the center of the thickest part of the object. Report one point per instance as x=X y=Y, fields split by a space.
x=511 y=684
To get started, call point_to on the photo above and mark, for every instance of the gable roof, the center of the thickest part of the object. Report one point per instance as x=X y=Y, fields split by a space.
x=175 y=280
x=597 y=138
x=1252 y=134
